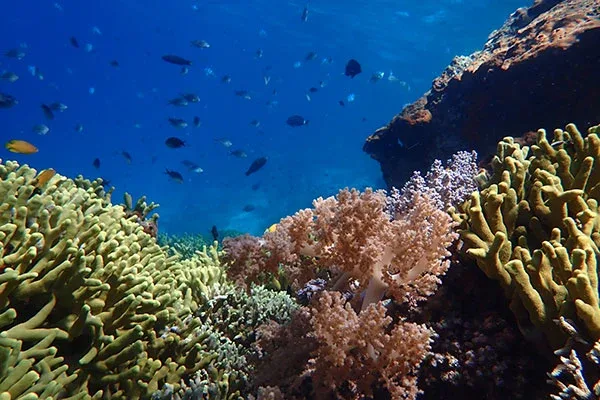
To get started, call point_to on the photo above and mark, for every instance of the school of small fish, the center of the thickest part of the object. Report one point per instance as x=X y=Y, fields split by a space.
x=183 y=63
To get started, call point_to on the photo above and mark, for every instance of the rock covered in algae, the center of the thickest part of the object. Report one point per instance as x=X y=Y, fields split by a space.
x=90 y=305
x=542 y=62
x=535 y=228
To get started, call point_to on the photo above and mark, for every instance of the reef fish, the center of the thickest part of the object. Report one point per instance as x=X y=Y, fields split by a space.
x=178 y=122
x=214 y=232
x=41 y=129
x=173 y=59
x=20 y=146
x=174 y=142
x=352 y=68
x=174 y=175
x=296 y=120
x=256 y=165
x=7 y=101
x=47 y=112
x=44 y=177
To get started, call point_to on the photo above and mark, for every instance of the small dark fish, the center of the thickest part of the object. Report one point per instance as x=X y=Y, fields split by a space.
x=192 y=166
x=174 y=142
x=78 y=128
x=173 y=59
x=96 y=163
x=238 y=153
x=74 y=42
x=313 y=90
x=304 y=16
x=47 y=112
x=248 y=208
x=197 y=122
x=352 y=68
x=255 y=123
x=58 y=106
x=259 y=53
x=243 y=93
x=226 y=79
x=191 y=97
x=200 y=44
x=174 y=175
x=256 y=186
x=179 y=102
x=15 y=53
x=178 y=122
x=310 y=56
x=363 y=119
x=127 y=157
x=105 y=182
x=341 y=103
x=114 y=63
x=7 y=101
x=256 y=165
x=184 y=70
x=296 y=120
x=214 y=232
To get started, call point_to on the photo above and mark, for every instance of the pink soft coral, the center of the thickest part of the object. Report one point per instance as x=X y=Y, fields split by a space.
x=353 y=236
x=363 y=351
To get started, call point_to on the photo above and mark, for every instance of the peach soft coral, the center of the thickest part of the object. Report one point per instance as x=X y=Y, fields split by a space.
x=353 y=237
x=364 y=350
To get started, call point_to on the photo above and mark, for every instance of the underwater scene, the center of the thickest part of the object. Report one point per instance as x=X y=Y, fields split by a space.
x=315 y=199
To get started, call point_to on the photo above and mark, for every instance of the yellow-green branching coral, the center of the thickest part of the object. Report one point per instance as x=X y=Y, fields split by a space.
x=536 y=229
x=90 y=305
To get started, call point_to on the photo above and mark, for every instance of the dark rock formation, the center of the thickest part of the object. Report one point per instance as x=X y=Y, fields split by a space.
x=540 y=70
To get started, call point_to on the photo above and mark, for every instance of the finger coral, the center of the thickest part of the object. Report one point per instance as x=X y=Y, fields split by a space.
x=90 y=305
x=535 y=229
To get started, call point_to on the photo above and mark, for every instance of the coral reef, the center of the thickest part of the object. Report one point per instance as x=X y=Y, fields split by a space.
x=544 y=61
x=446 y=186
x=142 y=210
x=185 y=245
x=535 y=230
x=477 y=350
x=352 y=237
x=343 y=345
x=90 y=305
x=572 y=374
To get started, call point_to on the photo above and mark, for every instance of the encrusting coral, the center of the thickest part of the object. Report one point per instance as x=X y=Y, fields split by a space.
x=535 y=229
x=90 y=305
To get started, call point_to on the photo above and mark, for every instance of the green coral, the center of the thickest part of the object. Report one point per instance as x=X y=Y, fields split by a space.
x=185 y=245
x=230 y=320
x=141 y=208
x=535 y=228
x=90 y=305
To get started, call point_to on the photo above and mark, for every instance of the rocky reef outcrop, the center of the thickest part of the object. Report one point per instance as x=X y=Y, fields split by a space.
x=540 y=69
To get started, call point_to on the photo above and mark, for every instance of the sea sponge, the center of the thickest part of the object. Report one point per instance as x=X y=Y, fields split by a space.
x=536 y=229
x=90 y=305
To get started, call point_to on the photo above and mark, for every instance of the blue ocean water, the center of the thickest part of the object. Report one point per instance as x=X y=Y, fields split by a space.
x=125 y=108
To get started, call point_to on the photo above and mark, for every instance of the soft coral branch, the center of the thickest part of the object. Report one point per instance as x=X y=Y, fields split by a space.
x=353 y=236
x=364 y=351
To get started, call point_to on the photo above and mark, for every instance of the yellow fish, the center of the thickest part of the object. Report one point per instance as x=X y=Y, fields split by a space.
x=44 y=177
x=272 y=228
x=21 y=147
